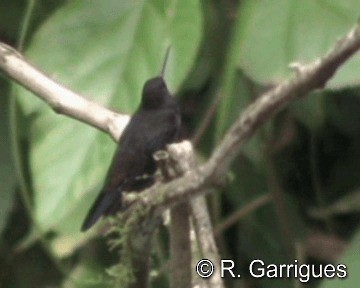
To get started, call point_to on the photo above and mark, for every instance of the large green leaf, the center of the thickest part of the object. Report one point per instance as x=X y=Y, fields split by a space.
x=105 y=50
x=275 y=33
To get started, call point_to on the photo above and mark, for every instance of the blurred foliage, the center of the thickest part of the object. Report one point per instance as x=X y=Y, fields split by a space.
x=293 y=31
x=224 y=54
x=7 y=175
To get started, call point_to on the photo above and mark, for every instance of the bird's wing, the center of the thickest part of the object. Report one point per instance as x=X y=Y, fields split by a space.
x=145 y=134
x=101 y=206
x=127 y=160
x=164 y=132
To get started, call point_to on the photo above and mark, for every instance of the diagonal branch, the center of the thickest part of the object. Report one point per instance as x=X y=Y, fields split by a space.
x=60 y=99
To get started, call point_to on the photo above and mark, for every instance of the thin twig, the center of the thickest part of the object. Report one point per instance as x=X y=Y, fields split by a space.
x=205 y=123
x=283 y=216
x=320 y=196
x=241 y=213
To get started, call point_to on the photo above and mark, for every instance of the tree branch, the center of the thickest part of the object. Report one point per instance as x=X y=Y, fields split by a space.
x=206 y=238
x=173 y=165
x=308 y=78
x=184 y=156
x=59 y=98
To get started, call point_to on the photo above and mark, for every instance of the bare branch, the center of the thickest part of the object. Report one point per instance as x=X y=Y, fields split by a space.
x=206 y=239
x=180 y=245
x=61 y=99
x=205 y=123
x=184 y=155
x=307 y=79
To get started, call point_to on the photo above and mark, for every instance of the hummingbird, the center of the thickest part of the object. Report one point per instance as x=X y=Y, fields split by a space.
x=155 y=124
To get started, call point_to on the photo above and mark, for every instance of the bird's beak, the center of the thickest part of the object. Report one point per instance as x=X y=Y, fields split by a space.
x=165 y=62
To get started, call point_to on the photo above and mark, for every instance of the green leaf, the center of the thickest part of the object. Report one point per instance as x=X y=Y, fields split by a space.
x=105 y=50
x=352 y=263
x=275 y=33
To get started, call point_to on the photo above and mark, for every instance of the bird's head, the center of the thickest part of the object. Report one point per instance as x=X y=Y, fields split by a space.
x=155 y=93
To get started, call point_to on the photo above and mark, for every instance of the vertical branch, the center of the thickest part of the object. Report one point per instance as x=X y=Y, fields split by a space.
x=206 y=238
x=316 y=180
x=200 y=214
x=180 y=245
x=281 y=209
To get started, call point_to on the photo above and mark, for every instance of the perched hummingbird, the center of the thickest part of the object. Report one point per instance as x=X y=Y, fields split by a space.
x=155 y=124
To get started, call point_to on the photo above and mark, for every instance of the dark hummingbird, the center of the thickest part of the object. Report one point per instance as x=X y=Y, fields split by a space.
x=155 y=124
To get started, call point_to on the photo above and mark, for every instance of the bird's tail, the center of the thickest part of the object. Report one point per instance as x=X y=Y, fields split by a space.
x=104 y=205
